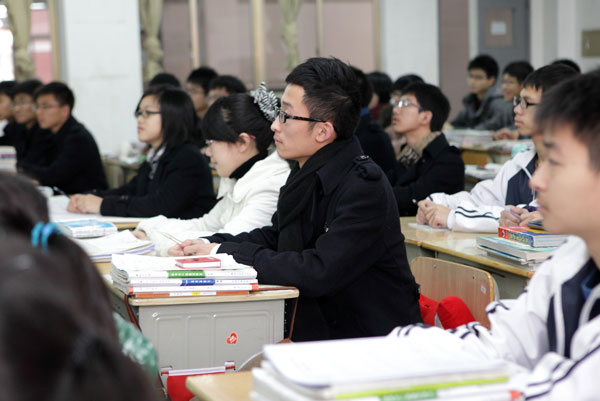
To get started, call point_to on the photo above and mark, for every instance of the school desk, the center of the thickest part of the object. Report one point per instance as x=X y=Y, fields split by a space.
x=206 y=331
x=221 y=387
x=461 y=248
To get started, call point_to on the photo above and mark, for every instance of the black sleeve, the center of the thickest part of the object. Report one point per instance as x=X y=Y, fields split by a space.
x=265 y=237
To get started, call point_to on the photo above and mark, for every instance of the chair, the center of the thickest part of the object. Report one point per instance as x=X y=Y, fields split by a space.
x=439 y=279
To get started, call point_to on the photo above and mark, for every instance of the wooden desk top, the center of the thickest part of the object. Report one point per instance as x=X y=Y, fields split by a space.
x=104 y=268
x=221 y=387
x=461 y=245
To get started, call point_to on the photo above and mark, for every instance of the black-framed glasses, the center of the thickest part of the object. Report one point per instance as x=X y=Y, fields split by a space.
x=283 y=117
x=405 y=102
x=524 y=103
x=144 y=113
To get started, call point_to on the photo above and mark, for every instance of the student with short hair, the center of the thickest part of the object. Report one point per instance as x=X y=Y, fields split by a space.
x=382 y=89
x=552 y=330
x=335 y=235
x=513 y=76
x=196 y=86
x=385 y=117
x=482 y=209
x=484 y=108
x=165 y=78
x=427 y=162
x=373 y=139
x=238 y=133
x=224 y=85
x=175 y=180
x=72 y=161
x=10 y=131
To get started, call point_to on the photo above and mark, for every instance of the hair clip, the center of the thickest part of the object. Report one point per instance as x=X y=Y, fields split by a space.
x=267 y=101
x=41 y=233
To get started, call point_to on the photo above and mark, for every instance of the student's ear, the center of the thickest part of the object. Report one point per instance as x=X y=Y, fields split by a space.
x=65 y=111
x=425 y=118
x=325 y=132
x=491 y=81
x=245 y=142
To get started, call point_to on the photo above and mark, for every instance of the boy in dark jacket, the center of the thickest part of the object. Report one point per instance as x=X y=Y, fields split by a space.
x=335 y=235
x=427 y=163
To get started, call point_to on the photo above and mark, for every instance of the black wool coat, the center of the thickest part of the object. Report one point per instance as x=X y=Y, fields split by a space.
x=353 y=275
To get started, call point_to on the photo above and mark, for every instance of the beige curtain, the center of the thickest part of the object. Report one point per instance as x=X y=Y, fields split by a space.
x=290 y=10
x=19 y=20
x=150 y=15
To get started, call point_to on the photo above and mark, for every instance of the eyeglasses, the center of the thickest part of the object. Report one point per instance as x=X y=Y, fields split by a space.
x=283 y=117
x=407 y=102
x=44 y=107
x=524 y=103
x=22 y=103
x=144 y=113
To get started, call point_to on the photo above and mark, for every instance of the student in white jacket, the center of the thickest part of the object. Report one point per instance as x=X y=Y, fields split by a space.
x=552 y=330
x=238 y=135
x=484 y=208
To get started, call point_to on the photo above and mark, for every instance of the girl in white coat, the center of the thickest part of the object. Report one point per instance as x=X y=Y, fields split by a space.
x=237 y=132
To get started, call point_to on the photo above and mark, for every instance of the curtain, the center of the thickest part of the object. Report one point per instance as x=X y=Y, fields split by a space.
x=19 y=20
x=290 y=10
x=150 y=15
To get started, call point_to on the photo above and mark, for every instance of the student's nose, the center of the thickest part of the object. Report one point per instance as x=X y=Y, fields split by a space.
x=276 y=125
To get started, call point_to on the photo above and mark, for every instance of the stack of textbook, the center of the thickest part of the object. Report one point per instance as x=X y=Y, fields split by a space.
x=377 y=368
x=86 y=228
x=101 y=249
x=153 y=276
x=523 y=245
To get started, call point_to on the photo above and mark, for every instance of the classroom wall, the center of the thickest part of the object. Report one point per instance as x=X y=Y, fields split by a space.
x=100 y=56
x=410 y=38
x=587 y=18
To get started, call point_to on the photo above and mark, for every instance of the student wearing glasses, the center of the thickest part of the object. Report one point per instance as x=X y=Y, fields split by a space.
x=427 y=163
x=513 y=76
x=175 y=180
x=507 y=199
x=238 y=137
x=335 y=235
x=71 y=160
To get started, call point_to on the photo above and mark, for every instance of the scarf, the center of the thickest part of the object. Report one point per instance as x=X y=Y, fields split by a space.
x=296 y=194
x=411 y=154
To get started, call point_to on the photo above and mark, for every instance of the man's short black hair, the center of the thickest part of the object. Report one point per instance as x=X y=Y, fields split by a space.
x=547 y=76
x=28 y=87
x=230 y=83
x=431 y=98
x=366 y=88
x=568 y=62
x=62 y=93
x=382 y=85
x=405 y=80
x=6 y=87
x=202 y=76
x=519 y=70
x=331 y=92
x=486 y=63
x=574 y=103
x=165 y=78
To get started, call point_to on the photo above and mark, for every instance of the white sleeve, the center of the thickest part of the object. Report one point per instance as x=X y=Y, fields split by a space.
x=468 y=217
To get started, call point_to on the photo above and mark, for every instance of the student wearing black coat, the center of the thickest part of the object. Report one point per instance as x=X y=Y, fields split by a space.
x=175 y=180
x=427 y=163
x=336 y=233
x=63 y=153
x=373 y=139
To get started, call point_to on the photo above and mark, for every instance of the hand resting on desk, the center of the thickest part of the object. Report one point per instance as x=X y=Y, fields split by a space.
x=432 y=214
x=517 y=216
x=139 y=234
x=84 y=204
x=191 y=247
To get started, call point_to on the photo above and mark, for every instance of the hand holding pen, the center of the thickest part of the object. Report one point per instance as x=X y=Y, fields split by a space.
x=517 y=216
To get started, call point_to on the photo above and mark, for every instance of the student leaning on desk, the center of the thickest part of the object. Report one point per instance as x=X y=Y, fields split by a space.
x=553 y=329
x=175 y=180
x=335 y=235
x=484 y=208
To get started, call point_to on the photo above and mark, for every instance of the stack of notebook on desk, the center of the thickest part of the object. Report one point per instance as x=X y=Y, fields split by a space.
x=379 y=368
x=522 y=245
x=101 y=249
x=152 y=276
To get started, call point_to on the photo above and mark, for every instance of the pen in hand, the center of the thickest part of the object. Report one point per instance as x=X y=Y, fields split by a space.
x=171 y=237
x=60 y=191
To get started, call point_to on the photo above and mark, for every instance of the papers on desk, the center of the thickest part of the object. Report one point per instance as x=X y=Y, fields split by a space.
x=489 y=171
x=374 y=367
x=468 y=137
x=8 y=159
x=425 y=227
x=57 y=205
x=153 y=276
x=101 y=249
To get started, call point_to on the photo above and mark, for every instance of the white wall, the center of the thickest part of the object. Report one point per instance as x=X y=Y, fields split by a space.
x=410 y=38
x=101 y=60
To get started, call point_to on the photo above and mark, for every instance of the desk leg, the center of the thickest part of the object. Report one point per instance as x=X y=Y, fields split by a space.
x=412 y=251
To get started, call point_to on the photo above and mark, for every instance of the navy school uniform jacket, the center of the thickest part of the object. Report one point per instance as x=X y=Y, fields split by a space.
x=182 y=187
x=353 y=275
x=440 y=169
x=69 y=159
